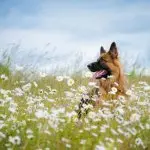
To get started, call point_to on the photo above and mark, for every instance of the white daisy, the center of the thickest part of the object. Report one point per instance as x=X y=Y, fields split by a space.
x=135 y=117
x=42 y=74
x=59 y=78
x=70 y=82
x=27 y=87
x=129 y=92
x=4 y=77
x=82 y=141
x=138 y=141
x=92 y=84
x=113 y=91
x=35 y=84
x=88 y=74
x=16 y=140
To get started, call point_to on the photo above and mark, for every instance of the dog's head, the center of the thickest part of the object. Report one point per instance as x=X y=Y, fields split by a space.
x=104 y=66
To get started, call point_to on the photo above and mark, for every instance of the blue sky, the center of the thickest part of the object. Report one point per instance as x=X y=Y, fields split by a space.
x=71 y=26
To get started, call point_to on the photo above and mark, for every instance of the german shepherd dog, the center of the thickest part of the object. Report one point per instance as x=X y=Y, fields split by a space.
x=108 y=73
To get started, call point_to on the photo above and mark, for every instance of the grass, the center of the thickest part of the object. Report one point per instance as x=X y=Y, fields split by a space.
x=40 y=114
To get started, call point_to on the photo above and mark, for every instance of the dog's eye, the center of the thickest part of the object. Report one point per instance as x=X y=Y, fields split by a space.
x=106 y=60
x=103 y=59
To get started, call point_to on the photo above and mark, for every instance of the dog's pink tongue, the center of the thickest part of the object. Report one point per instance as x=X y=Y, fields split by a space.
x=99 y=74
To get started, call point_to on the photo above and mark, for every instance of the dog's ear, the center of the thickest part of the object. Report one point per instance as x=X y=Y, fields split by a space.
x=102 y=50
x=113 y=51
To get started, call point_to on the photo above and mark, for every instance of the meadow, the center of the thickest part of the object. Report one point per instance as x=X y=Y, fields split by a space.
x=40 y=114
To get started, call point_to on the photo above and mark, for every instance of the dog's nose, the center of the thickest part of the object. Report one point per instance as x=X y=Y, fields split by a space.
x=89 y=66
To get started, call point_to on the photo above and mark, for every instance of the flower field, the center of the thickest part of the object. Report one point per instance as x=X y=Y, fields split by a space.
x=40 y=114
